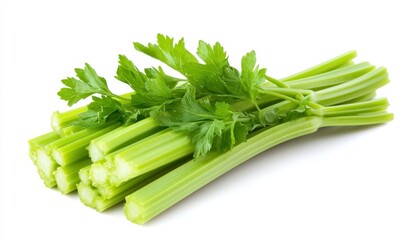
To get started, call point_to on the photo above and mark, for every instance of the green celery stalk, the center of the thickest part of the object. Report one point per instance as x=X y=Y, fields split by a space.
x=376 y=105
x=359 y=120
x=100 y=172
x=331 y=64
x=66 y=131
x=46 y=167
x=87 y=194
x=44 y=163
x=317 y=82
x=40 y=141
x=67 y=177
x=333 y=77
x=104 y=197
x=358 y=87
x=363 y=98
x=121 y=137
x=349 y=63
x=151 y=154
x=65 y=119
x=72 y=148
x=84 y=175
x=151 y=200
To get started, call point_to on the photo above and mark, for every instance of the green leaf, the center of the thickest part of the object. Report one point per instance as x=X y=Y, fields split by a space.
x=251 y=76
x=100 y=111
x=106 y=109
x=153 y=89
x=204 y=135
x=89 y=83
x=217 y=77
x=214 y=56
x=128 y=73
x=192 y=110
x=159 y=73
x=173 y=54
x=155 y=92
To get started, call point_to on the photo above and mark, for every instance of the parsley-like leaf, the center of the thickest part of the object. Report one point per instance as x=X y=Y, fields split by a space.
x=153 y=88
x=100 y=111
x=217 y=77
x=89 y=83
x=214 y=56
x=251 y=76
x=106 y=109
x=128 y=73
x=173 y=54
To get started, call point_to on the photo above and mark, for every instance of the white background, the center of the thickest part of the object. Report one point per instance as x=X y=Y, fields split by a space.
x=356 y=183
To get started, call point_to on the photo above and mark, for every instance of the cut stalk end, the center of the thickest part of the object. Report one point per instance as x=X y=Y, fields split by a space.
x=132 y=212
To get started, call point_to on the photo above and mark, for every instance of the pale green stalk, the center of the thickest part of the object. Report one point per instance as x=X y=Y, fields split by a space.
x=60 y=120
x=326 y=66
x=73 y=147
x=121 y=137
x=164 y=192
x=67 y=177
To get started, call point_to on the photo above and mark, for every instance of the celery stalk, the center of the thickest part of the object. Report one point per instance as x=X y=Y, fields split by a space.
x=121 y=137
x=159 y=195
x=167 y=148
x=66 y=131
x=84 y=175
x=104 y=197
x=323 y=67
x=38 y=142
x=332 y=77
x=87 y=194
x=67 y=177
x=100 y=171
x=46 y=167
x=73 y=148
x=151 y=200
x=375 y=105
x=363 y=98
x=65 y=119
x=358 y=87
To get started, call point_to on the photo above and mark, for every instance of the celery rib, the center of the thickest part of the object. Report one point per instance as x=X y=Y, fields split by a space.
x=66 y=131
x=84 y=175
x=375 y=105
x=65 y=119
x=73 y=147
x=67 y=177
x=38 y=142
x=167 y=148
x=151 y=200
x=121 y=137
x=323 y=67
x=46 y=167
x=104 y=197
x=159 y=195
x=358 y=87
x=332 y=77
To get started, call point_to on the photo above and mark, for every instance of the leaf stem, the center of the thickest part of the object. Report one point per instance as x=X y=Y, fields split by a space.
x=276 y=82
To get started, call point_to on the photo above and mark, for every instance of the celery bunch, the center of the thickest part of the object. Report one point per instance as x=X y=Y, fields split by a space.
x=171 y=136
